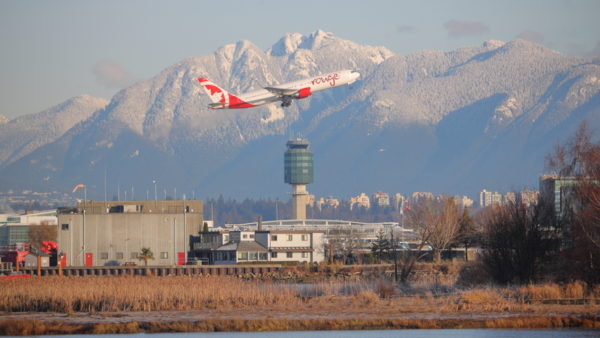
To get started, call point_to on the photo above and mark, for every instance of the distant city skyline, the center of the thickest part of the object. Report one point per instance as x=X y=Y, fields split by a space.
x=56 y=50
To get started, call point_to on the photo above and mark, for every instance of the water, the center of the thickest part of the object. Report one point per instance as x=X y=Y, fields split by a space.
x=475 y=333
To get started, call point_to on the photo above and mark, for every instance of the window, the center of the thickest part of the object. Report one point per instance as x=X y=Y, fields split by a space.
x=289 y=254
x=104 y=255
x=134 y=255
x=225 y=238
x=305 y=255
x=305 y=237
x=245 y=236
x=242 y=256
x=252 y=256
x=64 y=227
x=290 y=237
x=262 y=256
x=119 y=255
x=274 y=238
x=273 y=254
x=251 y=235
x=164 y=255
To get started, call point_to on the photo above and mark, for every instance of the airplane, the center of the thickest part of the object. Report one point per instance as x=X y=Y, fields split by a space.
x=221 y=99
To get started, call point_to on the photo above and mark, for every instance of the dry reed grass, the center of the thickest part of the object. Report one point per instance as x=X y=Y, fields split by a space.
x=220 y=293
x=137 y=293
x=574 y=290
x=538 y=291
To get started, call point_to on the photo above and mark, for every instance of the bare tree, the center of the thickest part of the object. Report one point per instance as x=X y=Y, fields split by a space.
x=408 y=258
x=579 y=159
x=343 y=243
x=40 y=233
x=438 y=220
x=516 y=242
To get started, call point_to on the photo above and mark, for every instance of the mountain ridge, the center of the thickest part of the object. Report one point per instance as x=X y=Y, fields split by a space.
x=454 y=122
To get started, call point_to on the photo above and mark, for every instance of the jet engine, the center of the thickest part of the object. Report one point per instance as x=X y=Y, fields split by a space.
x=303 y=93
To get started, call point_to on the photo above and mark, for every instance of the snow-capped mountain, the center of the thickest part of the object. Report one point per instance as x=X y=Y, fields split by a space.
x=447 y=122
x=22 y=135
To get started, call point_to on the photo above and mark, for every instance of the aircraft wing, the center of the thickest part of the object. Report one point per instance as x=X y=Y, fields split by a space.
x=282 y=91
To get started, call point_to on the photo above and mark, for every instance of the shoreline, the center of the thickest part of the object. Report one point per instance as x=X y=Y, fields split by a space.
x=39 y=323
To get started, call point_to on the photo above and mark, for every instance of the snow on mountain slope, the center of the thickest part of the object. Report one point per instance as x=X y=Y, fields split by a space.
x=22 y=135
x=454 y=122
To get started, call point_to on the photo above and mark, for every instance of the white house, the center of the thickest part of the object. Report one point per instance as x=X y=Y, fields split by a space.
x=263 y=246
x=293 y=245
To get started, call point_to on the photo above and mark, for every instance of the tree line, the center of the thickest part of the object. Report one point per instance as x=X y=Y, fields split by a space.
x=522 y=243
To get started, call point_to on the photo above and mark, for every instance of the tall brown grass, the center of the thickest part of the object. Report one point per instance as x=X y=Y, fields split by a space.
x=138 y=293
x=222 y=293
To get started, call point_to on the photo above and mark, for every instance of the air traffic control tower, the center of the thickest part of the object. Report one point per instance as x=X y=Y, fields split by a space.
x=298 y=168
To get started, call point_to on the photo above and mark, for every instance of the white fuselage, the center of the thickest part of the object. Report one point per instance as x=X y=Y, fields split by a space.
x=318 y=83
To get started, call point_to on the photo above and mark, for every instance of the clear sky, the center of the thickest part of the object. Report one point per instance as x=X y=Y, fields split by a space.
x=53 y=50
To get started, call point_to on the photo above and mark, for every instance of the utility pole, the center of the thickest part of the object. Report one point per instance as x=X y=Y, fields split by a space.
x=174 y=242
x=83 y=227
x=395 y=258
x=185 y=248
x=155 y=196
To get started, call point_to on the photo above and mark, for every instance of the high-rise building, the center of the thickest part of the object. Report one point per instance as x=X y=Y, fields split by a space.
x=509 y=197
x=381 y=199
x=558 y=190
x=328 y=202
x=398 y=201
x=418 y=196
x=485 y=198
x=463 y=201
x=362 y=200
x=298 y=171
x=529 y=197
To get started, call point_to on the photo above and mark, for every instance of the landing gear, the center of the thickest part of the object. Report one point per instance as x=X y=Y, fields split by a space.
x=286 y=101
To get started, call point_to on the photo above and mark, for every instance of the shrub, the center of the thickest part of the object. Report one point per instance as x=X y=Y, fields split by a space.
x=385 y=289
x=538 y=291
x=473 y=274
x=574 y=290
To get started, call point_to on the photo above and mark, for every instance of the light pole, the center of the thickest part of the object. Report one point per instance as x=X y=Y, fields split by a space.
x=77 y=187
x=155 y=194
x=185 y=248
x=174 y=242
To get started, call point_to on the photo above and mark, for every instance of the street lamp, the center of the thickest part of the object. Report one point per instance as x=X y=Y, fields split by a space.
x=155 y=194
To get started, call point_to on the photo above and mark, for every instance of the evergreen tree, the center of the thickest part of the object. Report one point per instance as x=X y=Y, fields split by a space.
x=380 y=246
x=467 y=232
